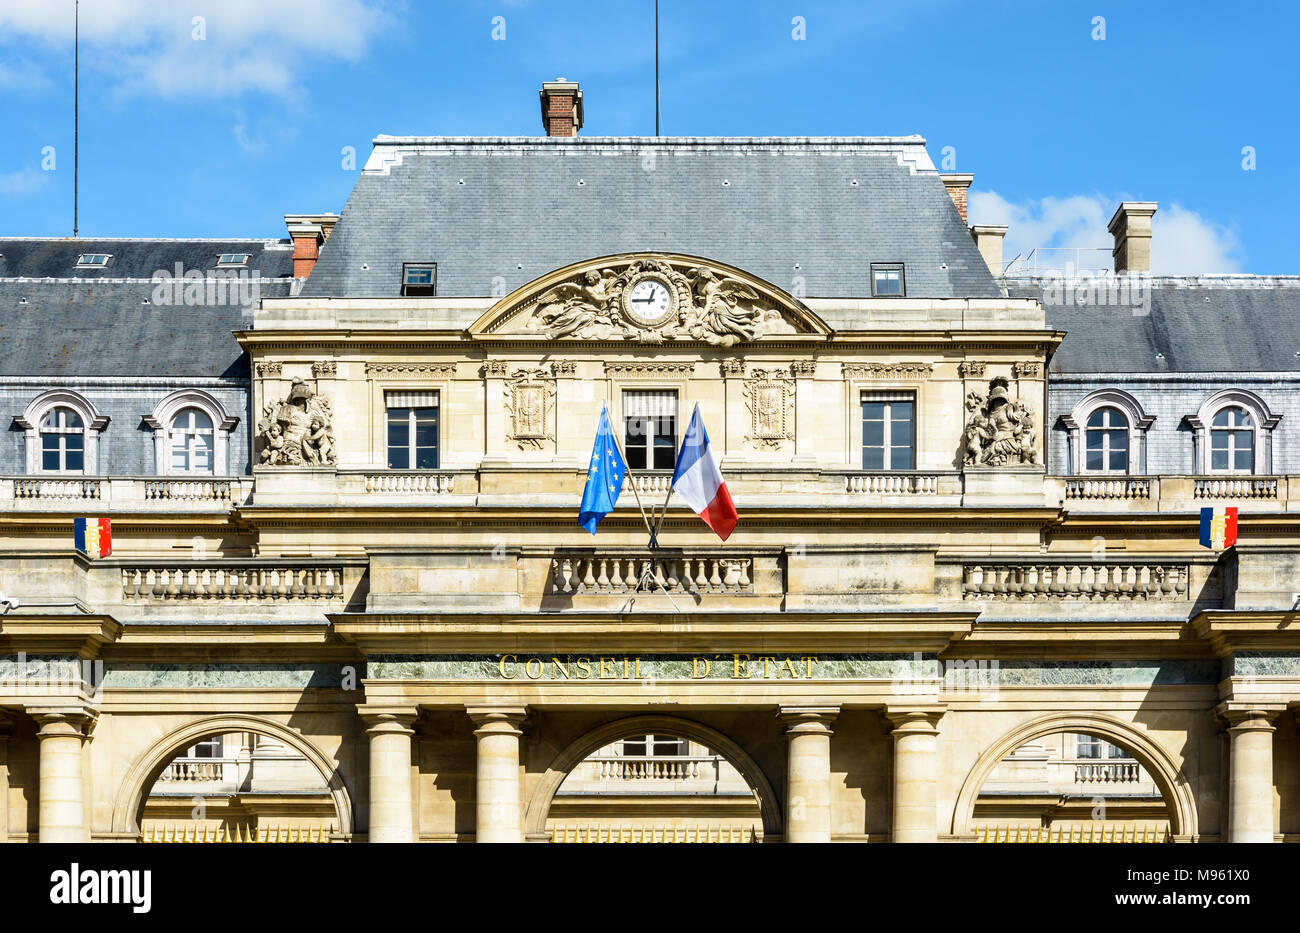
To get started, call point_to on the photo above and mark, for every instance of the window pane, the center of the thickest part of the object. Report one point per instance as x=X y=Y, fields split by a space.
x=426 y=458
x=873 y=458
x=873 y=410
x=50 y=459
x=873 y=433
x=399 y=458
x=426 y=434
x=900 y=458
x=1118 y=459
x=203 y=453
x=633 y=747
x=1218 y=459
x=74 y=442
x=180 y=459
x=900 y=431
x=1094 y=460
x=1244 y=459
x=1118 y=440
x=74 y=461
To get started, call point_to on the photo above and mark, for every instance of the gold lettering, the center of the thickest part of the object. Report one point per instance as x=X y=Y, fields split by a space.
x=528 y=668
x=603 y=675
x=637 y=667
x=789 y=663
x=559 y=666
x=584 y=668
x=766 y=662
x=502 y=665
x=735 y=667
x=695 y=668
x=811 y=660
x=625 y=667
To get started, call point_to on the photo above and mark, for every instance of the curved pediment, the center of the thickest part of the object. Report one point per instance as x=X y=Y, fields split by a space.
x=650 y=298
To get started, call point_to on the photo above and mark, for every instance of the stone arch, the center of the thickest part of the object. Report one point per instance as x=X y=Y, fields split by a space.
x=1175 y=790
x=140 y=779
x=539 y=802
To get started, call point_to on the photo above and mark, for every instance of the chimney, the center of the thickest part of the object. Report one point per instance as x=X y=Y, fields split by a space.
x=1131 y=227
x=957 y=185
x=308 y=232
x=988 y=240
x=561 y=107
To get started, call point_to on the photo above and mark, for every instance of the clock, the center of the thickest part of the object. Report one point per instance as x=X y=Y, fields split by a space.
x=649 y=299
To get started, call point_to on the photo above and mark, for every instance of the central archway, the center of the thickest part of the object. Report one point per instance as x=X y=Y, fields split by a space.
x=133 y=794
x=539 y=802
x=1158 y=763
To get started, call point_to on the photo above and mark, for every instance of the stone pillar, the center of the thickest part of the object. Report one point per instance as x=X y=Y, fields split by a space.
x=497 y=812
x=495 y=373
x=61 y=810
x=1250 y=788
x=916 y=808
x=806 y=435
x=6 y=729
x=808 y=774
x=391 y=818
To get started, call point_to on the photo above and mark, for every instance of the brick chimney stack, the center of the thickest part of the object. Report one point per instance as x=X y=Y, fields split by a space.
x=309 y=233
x=561 y=107
x=1131 y=227
x=958 y=184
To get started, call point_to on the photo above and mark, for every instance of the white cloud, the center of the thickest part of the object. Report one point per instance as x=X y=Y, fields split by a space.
x=23 y=181
x=1183 y=242
x=150 y=46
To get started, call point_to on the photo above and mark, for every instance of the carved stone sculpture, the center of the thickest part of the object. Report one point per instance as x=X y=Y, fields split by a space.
x=998 y=430
x=688 y=303
x=298 y=429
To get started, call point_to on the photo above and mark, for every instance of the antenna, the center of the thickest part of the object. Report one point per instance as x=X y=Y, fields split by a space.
x=77 y=105
x=656 y=67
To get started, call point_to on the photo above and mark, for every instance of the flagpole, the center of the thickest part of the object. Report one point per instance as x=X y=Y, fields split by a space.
x=654 y=535
x=631 y=480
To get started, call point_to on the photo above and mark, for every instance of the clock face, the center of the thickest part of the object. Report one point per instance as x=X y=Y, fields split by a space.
x=649 y=300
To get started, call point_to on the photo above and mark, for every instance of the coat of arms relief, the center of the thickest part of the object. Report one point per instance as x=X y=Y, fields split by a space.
x=530 y=407
x=654 y=301
x=769 y=394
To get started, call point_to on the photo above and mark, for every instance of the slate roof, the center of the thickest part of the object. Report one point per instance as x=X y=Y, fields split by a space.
x=46 y=257
x=1191 y=328
x=60 y=321
x=501 y=211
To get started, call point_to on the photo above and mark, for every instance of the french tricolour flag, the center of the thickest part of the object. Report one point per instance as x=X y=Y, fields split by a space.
x=94 y=536
x=697 y=479
x=1218 y=528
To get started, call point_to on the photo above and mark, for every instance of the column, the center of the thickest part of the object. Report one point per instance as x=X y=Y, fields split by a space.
x=497 y=814
x=390 y=775
x=1250 y=788
x=6 y=729
x=61 y=811
x=916 y=741
x=806 y=434
x=808 y=774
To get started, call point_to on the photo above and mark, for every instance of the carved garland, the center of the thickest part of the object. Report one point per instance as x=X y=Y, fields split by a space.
x=678 y=370
x=887 y=370
x=421 y=370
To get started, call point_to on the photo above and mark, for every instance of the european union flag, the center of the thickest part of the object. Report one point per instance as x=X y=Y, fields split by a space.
x=604 y=477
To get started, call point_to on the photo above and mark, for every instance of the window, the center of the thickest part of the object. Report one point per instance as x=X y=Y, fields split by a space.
x=93 y=259
x=887 y=280
x=888 y=431
x=653 y=745
x=412 y=430
x=233 y=259
x=63 y=441
x=1088 y=746
x=208 y=748
x=1232 y=441
x=650 y=429
x=191 y=442
x=419 y=279
x=1107 y=441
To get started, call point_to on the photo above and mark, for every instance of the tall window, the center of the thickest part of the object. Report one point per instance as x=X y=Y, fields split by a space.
x=63 y=441
x=888 y=431
x=650 y=429
x=1232 y=441
x=654 y=745
x=412 y=430
x=1089 y=746
x=208 y=748
x=1107 y=441
x=191 y=442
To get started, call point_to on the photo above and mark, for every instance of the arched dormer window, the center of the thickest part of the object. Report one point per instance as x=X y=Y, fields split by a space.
x=62 y=429
x=191 y=435
x=1107 y=433
x=1233 y=434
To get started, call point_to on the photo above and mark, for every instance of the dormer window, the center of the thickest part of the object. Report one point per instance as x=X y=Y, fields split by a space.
x=226 y=260
x=419 y=279
x=887 y=280
x=93 y=260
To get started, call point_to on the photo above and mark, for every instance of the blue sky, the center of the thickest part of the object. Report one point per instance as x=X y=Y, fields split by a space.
x=222 y=135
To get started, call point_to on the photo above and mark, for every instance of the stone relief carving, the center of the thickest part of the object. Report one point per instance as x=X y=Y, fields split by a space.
x=564 y=368
x=298 y=430
x=422 y=370
x=701 y=303
x=768 y=393
x=1030 y=369
x=324 y=368
x=998 y=430
x=887 y=370
x=970 y=369
x=496 y=368
x=804 y=368
x=679 y=370
x=732 y=368
x=270 y=369
x=530 y=403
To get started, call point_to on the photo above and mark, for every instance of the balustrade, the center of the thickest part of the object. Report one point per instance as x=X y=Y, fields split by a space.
x=1080 y=580
x=613 y=573
x=198 y=581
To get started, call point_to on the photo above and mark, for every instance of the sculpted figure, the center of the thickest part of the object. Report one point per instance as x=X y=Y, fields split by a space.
x=998 y=430
x=725 y=314
x=273 y=435
x=569 y=308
